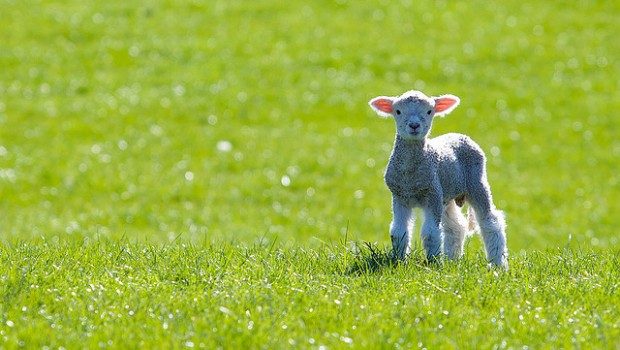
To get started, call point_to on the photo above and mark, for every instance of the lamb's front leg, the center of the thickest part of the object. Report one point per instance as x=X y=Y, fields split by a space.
x=400 y=229
x=431 y=231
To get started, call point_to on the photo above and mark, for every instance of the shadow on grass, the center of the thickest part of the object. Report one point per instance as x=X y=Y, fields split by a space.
x=369 y=258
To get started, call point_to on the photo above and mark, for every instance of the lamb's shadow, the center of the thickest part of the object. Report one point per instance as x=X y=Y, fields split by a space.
x=371 y=259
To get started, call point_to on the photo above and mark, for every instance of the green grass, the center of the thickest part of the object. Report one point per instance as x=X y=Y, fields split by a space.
x=166 y=127
x=139 y=296
x=105 y=107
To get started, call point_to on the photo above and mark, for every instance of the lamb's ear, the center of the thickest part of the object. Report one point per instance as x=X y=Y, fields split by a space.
x=382 y=105
x=445 y=104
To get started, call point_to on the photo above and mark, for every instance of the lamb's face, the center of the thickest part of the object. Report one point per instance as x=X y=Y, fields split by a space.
x=413 y=111
x=413 y=116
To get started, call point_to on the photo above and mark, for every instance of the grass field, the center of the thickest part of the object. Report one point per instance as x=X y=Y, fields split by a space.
x=135 y=296
x=201 y=159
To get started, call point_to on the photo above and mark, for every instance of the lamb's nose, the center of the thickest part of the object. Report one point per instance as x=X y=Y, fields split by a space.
x=414 y=125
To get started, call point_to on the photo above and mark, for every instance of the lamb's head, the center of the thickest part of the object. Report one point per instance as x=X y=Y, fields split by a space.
x=413 y=111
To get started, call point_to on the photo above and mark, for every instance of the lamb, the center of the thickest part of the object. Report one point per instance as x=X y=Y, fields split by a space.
x=438 y=175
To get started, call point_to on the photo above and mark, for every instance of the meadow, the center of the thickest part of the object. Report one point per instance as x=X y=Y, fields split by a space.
x=209 y=173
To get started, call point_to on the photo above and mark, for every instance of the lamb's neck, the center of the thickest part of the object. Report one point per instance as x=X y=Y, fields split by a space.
x=414 y=150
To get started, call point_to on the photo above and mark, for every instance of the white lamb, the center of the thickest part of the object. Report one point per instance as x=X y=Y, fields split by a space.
x=437 y=175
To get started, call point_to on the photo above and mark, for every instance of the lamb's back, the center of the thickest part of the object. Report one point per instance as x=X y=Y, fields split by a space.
x=456 y=153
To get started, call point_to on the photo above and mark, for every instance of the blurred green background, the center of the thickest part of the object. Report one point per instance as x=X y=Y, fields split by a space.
x=248 y=120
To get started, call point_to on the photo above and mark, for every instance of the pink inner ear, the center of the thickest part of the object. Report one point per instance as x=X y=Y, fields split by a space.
x=443 y=103
x=383 y=104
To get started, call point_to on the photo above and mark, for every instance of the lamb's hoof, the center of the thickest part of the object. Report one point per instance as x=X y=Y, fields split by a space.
x=454 y=256
x=434 y=259
x=397 y=257
x=499 y=265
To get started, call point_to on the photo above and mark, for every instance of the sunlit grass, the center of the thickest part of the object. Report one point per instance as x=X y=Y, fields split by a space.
x=152 y=130
x=119 y=294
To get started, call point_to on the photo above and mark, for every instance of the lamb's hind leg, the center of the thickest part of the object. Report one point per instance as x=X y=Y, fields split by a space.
x=491 y=222
x=454 y=227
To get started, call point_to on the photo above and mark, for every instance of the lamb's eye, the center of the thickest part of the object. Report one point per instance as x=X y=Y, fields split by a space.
x=398 y=111
x=429 y=112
